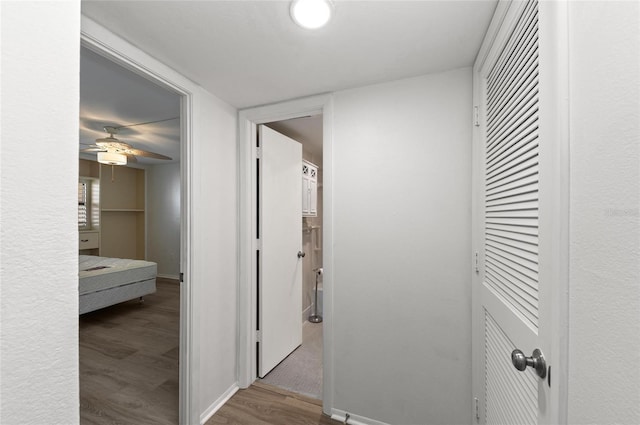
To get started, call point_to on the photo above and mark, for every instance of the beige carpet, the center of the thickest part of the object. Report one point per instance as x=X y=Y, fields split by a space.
x=301 y=371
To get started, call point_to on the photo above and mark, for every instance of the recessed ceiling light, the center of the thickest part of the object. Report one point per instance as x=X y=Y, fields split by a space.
x=311 y=14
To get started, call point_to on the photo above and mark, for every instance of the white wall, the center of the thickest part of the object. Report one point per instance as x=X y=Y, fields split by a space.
x=401 y=291
x=604 y=350
x=163 y=218
x=39 y=237
x=215 y=244
x=39 y=381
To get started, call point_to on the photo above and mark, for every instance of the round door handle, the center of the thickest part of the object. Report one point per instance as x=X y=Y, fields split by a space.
x=301 y=254
x=536 y=361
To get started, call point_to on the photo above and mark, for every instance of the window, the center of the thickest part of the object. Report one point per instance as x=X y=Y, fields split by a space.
x=83 y=212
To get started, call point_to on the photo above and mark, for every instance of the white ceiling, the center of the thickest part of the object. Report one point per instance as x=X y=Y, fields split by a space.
x=306 y=130
x=250 y=53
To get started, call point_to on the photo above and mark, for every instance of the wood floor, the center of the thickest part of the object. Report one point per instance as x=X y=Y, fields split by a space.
x=263 y=404
x=129 y=360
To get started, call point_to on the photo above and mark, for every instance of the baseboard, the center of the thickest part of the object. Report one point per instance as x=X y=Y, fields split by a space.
x=340 y=415
x=168 y=276
x=211 y=410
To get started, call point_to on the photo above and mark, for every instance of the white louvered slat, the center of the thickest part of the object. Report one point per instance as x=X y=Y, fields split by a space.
x=527 y=185
x=520 y=122
x=514 y=157
x=523 y=136
x=496 y=75
x=511 y=397
x=511 y=235
x=511 y=171
x=515 y=170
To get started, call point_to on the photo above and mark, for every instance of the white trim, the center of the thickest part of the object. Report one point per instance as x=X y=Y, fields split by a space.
x=114 y=48
x=216 y=405
x=168 y=276
x=554 y=110
x=477 y=213
x=248 y=119
x=340 y=415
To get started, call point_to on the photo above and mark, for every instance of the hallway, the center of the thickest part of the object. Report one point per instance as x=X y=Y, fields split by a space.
x=267 y=405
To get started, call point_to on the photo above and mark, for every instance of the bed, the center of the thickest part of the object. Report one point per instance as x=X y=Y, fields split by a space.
x=107 y=281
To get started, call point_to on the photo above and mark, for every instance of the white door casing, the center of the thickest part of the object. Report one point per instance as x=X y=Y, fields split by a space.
x=249 y=119
x=518 y=216
x=280 y=282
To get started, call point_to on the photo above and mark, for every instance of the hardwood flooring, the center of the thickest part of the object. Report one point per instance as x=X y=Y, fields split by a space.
x=263 y=404
x=129 y=372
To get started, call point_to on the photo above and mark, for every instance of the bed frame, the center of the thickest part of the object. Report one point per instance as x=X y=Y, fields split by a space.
x=117 y=286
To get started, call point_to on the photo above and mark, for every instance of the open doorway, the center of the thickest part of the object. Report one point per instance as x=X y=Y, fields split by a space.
x=130 y=222
x=249 y=121
x=301 y=370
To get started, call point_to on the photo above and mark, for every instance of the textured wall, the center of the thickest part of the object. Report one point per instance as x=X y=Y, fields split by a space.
x=604 y=376
x=163 y=218
x=401 y=288
x=39 y=237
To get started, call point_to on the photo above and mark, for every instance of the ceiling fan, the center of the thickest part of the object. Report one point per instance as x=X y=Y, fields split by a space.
x=112 y=151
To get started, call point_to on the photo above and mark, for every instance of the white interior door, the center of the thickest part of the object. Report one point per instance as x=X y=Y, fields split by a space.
x=511 y=300
x=280 y=281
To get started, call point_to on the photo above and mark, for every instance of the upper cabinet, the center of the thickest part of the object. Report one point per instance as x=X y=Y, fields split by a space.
x=309 y=189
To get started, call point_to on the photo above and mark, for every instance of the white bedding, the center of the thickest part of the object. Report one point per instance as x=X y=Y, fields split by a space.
x=106 y=281
x=99 y=273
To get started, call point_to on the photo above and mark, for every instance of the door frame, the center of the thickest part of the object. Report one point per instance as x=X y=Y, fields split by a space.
x=248 y=120
x=106 y=44
x=554 y=110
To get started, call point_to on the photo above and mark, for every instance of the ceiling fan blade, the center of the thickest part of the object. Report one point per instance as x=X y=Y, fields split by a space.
x=109 y=139
x=131 y=158
x=93 y=149
x=147 y=154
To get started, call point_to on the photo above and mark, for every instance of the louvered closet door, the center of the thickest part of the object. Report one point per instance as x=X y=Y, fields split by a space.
x=509 y=200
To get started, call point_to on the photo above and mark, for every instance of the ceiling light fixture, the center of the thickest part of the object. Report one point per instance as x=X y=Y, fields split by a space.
x=311 y=14
x=111 y=158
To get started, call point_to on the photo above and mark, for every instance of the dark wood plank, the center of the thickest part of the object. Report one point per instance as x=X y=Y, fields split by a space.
x=263 y=404
x=129 y=360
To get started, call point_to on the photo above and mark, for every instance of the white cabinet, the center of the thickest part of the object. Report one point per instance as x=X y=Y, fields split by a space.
x=309 y=189
x=89 y=240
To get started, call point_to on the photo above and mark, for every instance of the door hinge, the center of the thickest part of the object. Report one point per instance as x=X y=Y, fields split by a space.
x=258 y=336
x=181 y=277
x=258 y=152
x=476 y=116
x=259 y=244
x=477 y=409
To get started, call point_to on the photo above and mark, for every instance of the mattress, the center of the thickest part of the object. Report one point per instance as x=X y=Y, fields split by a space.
x=102 y=273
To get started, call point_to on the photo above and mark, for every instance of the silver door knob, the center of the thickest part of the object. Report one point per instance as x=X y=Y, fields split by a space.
x=301 y=254
x=536 y=361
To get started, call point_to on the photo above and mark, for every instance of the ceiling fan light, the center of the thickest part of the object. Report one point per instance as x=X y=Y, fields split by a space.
x=311 y=14
x=111 y=158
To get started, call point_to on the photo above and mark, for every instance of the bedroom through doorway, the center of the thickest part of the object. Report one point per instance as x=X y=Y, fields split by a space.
x=130 y=223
